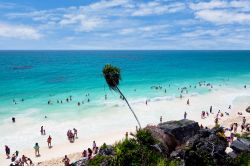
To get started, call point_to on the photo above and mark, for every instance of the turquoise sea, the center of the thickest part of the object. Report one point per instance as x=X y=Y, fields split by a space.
x=40 y=76
x=29 y=79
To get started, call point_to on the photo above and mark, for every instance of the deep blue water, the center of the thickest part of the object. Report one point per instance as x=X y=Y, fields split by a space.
x=39 y=76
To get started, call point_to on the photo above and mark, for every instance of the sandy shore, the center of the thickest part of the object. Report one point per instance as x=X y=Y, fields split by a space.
x=119 y=120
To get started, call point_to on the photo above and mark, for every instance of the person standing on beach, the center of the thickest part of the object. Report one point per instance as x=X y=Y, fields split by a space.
x=36 y=147
x=94 y=145
x=188 y=102
x=41 y=130
x=49 y=141
x=161 y=119
x=7 y=151
x=185 y=115
x=66 y=160
x=244 y=120
x=75 y=132
x=211 y=109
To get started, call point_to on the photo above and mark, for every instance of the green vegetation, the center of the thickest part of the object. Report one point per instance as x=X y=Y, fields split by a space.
x=134 y=151
x=242 y=159
x=112 y=75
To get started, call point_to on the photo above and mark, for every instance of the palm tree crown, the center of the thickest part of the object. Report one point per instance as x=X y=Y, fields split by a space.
x=112 y=76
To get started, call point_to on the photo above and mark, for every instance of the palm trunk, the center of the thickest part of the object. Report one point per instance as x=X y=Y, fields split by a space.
x=129 y=107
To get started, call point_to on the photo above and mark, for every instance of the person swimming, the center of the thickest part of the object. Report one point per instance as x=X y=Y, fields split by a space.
x=13 y=119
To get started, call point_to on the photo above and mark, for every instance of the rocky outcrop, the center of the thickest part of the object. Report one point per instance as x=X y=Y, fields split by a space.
x=241 y=145
x=204 y=147
x=167 y=141
x=181 y=130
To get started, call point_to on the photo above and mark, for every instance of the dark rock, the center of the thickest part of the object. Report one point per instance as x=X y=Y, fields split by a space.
x=106 y=150
x=241 y=145
x=167 y=142
x=204 y=147
x=182 y=130
x=216 y=130
x=248 y=109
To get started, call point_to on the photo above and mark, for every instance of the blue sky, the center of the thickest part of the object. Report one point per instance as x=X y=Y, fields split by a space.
x=124 y=24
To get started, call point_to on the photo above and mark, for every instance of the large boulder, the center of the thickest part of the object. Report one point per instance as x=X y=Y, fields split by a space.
x=167 y=141
x=181 y=130
x=241 y=145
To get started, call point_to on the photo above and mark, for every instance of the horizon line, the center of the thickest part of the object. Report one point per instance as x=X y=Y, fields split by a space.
x=125 y=50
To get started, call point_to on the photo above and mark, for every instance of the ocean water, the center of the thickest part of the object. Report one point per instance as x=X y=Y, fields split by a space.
x=39 y=76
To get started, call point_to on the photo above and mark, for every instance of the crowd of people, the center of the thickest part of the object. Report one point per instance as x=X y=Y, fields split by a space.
x=16 y=160
x=87 y=154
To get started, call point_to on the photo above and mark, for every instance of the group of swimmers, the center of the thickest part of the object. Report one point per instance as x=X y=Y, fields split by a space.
x=14 y=101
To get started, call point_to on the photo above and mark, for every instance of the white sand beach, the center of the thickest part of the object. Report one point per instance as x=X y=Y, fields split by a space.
x=112 y=126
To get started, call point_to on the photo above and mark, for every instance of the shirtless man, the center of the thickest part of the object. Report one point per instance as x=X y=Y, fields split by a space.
x=66 y=160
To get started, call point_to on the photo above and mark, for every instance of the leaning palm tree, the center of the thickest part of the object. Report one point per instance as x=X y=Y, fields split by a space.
x=112 y=76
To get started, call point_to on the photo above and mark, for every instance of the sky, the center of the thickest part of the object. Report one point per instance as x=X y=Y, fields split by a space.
x=124 y=24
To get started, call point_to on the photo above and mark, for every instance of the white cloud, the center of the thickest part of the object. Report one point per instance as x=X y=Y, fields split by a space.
x=104 y=4
x=5 y=5
x=223 y=16
x=208 y=5
x=157 y=8
x=83 y=22
x=144 y=29
x=223 y=12
x=19 y=32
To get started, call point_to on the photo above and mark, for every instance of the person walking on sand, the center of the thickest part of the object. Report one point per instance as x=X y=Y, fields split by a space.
x=185 y=115
x=188 y=102
x=36 y=147
x=66 y=161
x=49 y=141
x=7 y=151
